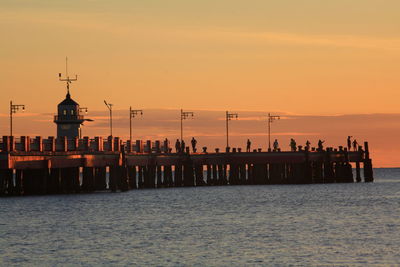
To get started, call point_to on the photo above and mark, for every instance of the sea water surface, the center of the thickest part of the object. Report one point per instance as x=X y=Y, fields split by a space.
x=321 y=224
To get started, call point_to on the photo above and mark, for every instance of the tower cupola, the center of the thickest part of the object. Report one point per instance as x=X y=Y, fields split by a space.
x=69 y=118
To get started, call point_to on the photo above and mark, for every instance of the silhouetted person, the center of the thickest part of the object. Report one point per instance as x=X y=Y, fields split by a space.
x=276 y=145
x=248 y=145
x=355 y=144
x=183 y=146
x=194 y=142
x=178 y=146
x=349 y=142
x=320 y=145
x=292 y=144
x=308 y=143
x=166 y=144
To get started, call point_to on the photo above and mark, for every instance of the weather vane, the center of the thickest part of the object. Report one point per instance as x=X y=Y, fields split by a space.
x=67 y=79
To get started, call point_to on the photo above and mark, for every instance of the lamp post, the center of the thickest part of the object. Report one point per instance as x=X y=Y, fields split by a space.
x=229 y=116
x=13 y=109
x=83 y=109
x=109 y=106
x=132 y=114
x=271 y=119
x=184 y=116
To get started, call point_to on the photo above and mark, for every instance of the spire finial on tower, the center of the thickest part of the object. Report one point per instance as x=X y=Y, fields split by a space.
x=67 y=79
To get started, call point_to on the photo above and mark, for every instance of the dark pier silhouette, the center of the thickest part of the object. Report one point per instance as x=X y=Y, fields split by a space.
x=59 y=165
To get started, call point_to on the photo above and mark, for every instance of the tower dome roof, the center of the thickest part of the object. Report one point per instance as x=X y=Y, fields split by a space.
x=68 y=101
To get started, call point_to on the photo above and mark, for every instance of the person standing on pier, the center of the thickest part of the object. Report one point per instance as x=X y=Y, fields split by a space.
x=355 y=144
x=276 y=145
x=349 y=142
x=307 y=147
x=178 y=146
x=292 y=144
x=320 y=145
x=248 y=145
x=183 y=146
x=194 y=143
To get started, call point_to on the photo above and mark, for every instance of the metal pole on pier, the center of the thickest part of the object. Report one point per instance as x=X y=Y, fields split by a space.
x=13 y=109
x=132 y=114
x=229 y=116
x=271 y=119
x=184 y=116
x=109 y=106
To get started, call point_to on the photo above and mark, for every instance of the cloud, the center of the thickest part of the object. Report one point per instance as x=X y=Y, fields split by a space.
x=94 y=22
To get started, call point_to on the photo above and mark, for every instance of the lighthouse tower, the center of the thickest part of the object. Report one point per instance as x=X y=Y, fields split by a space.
x=69 y=118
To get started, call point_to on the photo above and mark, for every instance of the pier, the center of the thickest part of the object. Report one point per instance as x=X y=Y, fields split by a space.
x=38 y=166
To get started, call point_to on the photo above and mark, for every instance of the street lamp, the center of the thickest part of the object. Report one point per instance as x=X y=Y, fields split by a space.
x=271 y=119
x=83 y=110
x=14 y=109
x=132 y=114
x=109 y=106
x=229 y=116
x=184 y=116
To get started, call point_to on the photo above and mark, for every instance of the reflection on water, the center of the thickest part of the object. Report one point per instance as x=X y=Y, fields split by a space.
x=328 y=224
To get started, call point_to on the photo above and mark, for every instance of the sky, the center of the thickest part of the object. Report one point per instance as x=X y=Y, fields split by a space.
x=329 y=68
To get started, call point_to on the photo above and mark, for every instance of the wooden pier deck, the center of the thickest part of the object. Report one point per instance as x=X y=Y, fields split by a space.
x=57 y=165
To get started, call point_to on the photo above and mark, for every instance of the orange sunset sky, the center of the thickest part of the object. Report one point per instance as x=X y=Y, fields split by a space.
x=329 y=68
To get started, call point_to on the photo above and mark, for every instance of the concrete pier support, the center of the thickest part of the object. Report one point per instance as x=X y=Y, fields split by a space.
x=224 y=174
x=348 y=172
x=209 y=175
x=329 y=172
x=274 y=173
x=198 y=169
x=299 y=173
x=309 y=169
x=220 y=180
x=35 y=181
x=317 y=172
x=141 y=171
x=160 y=182
x=178 y=175
x=260 y=174
x=113 y=178
x=88 y=181
x=338 y=172
x=53 y=183
x=250 y=174
x=123 y=180
x=368 y=171
x=3 y=185
x=234 y=174
x=132 y=177
x=100 y=178
x=168 y=176
x=214 y=180
x=150 y=176
x=6 y=182
x=19 y=179
x=188 y=173
x=358 y=172
x=242 y=174
x=28 y=182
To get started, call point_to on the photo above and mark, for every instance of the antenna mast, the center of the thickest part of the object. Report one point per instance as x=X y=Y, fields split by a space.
x=67 y=79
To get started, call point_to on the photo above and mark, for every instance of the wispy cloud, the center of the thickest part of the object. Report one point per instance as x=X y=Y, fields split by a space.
x=95 y=22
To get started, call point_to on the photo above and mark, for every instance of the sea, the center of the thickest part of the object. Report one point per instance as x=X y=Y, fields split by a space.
x=265 y=225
